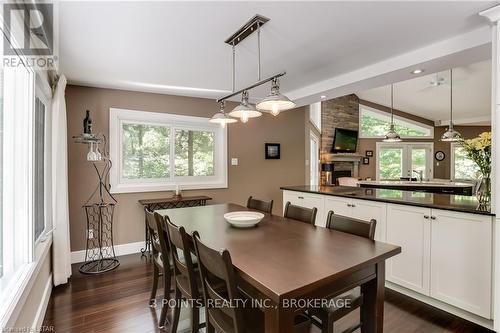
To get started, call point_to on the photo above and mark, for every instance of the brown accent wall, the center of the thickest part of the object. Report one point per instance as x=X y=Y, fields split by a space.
x=253 y=176
x=468 y=132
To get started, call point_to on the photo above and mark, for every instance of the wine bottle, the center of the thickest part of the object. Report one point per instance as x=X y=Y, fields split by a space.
x=87 y=123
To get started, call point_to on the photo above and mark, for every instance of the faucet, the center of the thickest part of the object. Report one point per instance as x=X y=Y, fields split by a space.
x=420 y=174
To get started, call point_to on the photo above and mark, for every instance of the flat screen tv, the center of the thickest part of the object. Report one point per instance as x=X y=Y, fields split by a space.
x=344 y=141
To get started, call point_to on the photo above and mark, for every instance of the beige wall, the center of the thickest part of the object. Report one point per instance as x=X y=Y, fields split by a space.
x=253 y=176
x=441 y=169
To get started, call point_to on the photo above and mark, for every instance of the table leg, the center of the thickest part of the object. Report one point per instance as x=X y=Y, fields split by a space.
x=372 y=310
x=278 y=320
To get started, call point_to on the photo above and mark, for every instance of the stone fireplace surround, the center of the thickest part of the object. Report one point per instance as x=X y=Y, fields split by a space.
x=341 y=112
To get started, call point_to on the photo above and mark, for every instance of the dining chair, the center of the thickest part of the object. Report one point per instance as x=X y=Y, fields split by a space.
x=261 y=205
x=336 y=308
x=185 y=275
x=216 y=269
x=302 y=214
x=161 y=260
x=219 y=285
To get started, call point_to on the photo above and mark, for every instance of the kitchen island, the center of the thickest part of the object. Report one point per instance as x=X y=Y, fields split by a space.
x=447 y=242
x=459 y=203
x=432 y=186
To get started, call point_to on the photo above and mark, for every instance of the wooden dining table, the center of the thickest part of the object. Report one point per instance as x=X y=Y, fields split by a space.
x=288 y=263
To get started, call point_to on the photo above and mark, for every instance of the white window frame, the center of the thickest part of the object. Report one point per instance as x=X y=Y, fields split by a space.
x=44 y=92
x=314 y=159
x=396 y=117
x=118 y=117
x=315 y=115
x=407 y=146
x=18 y=206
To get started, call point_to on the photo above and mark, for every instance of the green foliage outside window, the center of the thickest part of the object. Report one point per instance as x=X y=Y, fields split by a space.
x=145 y=151
x=390 y=163
x=377 y=126
x=465 y=168
x=194 y=153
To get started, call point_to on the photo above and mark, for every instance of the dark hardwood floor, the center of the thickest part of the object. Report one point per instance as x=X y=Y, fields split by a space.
x=117 y=301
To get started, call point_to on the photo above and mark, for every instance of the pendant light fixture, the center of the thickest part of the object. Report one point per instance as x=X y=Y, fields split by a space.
x=245 y=110
x=392 y=136
x=221 y=117
x=275 y=101
x=451 y=135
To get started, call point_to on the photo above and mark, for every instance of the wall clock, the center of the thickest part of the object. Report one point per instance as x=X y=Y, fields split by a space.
x=439 y=155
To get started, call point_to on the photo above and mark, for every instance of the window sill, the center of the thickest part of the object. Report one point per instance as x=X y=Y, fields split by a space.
x=21 y=284
x=136 y=188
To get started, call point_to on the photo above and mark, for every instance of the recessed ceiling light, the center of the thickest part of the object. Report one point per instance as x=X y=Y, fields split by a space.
x=417 y=71
x=323 y=96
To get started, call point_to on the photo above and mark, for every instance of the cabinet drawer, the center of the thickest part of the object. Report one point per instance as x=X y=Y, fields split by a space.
x=340 y=206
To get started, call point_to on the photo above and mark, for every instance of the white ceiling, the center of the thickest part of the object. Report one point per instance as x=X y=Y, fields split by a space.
x=178 y=48
x=471 y=95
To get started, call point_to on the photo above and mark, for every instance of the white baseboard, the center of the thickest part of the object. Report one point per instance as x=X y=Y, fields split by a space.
x=441 y=305
x=42 y=307
x=120 y=250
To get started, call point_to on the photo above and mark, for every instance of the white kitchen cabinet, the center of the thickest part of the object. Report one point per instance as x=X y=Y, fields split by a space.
x=338 y=205
x=366 y=210
x=410 y=228
x=461 y=258
x=360 y=209
x=446 y=255
x=307 y=200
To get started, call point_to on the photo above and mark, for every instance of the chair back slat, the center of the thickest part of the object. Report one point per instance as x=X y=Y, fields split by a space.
x=302 y=214
x=180 y=242
x=260 y=205
x=153 y=231
x=350 y=225
x=219 y=283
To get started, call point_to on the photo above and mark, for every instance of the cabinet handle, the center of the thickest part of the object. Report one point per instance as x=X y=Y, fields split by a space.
x=433 y=217
x=349 y=205
x=301 y=197
x=353 y=206
x=426 y=217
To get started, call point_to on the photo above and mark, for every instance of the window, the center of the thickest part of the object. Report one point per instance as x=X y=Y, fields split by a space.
x=314 y=158
x=42 y=169
x=462 y=168
x=156 y=151
x=375 y=124
x=396 y=160
x=17 y=188
x=39 y=170
x=315 y=115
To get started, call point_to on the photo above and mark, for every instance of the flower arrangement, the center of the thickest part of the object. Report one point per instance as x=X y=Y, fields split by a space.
x=479 y=151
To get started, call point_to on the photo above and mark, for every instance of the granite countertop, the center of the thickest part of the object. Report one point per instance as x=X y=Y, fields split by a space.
x=408 y=183
x=459 y=203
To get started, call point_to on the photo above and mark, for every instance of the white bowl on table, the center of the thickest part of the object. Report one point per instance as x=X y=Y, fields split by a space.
x=243 y=219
